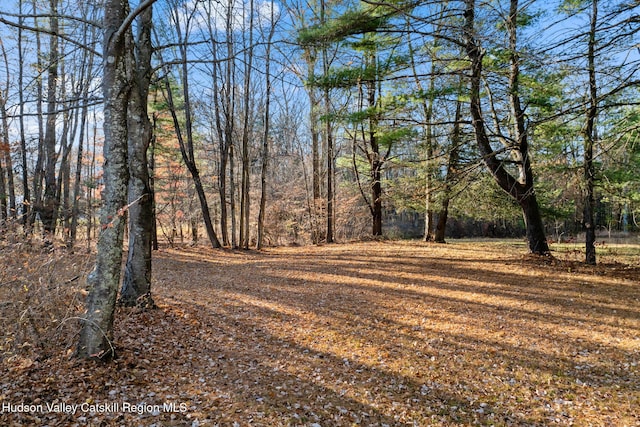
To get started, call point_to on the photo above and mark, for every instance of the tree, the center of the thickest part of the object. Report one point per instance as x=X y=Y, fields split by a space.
x=136 y=285
x=48 y=208
x=373 y=129
x=520 y=188
x=450 y=175
x=600 y=76
x=26 y=203
x=589 y=138
x=83 y=90
x=185 y=135
x=96 y=335
x=7 y=196
x=266 y=135
x=312 y=56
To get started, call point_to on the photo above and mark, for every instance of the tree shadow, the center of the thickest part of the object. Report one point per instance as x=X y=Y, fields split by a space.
x=353 y=306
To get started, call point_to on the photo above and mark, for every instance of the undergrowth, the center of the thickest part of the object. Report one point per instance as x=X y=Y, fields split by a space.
x=41 y=296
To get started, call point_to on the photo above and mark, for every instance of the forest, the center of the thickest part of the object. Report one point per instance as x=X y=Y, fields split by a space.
x=311 y=212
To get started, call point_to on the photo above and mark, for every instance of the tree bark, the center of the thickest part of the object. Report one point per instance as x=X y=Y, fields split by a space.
x=38 y=172
x=49 y=207
x=265 y=137
x=521 y=189
x=441 y=225
x=84 y=91
x=97 y=328
x=26 y=203
x=5 y=157
x=136 y=284
x=589 y=139
x=245 y=200
x=185 y=139
x=376 y=197
x=5 y=146
x=329 y=139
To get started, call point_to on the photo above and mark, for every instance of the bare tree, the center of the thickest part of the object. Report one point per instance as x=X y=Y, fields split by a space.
x=246 y=131
x=136 y=284
x=7 y=193
x=185 y=134
x=96 y=335
x=48 y=209
x=266 y=136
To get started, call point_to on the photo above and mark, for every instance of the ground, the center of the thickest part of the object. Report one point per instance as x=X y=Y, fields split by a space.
x=370 y=333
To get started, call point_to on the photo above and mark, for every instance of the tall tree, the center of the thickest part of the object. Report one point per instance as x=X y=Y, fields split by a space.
x=328 y=134
x=38 y=172
x=305 y=14
x=520 y=187
x=223 y=94
x=185 y=134
x=6 y=146
x=246 y=131
x=136 y=284
x=26 y=195
x=48 y=209
x=84 y=87
x=450 y=174
x=266 y=135
x=96 y=335
x=589 y=139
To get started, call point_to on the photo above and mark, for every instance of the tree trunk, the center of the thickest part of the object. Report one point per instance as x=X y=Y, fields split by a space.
x=97 y=327
x=38 y=169
x=589 y=139
x=376 y=197
x=64 y=174
x=329 y=138
x=220 y=95
x=3 y=194
x=185 y=139
x=330 y=177
x=245 y=199
x=5 y=147
x=4 y=154
x=536 y=237
x=376 y=161
x=26 y=203
x=520 y=189
x=136 y=285
x=152 y=188
x=265 y=138
x=441 y=226
x=49 y=207
x=232 y=197
x=316 y=175
x=430 y=142
x=84 y=91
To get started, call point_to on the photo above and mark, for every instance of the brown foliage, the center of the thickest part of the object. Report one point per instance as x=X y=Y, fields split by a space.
x=377 y=333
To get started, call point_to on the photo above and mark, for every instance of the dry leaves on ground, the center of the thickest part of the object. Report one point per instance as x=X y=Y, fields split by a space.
x=372 y=334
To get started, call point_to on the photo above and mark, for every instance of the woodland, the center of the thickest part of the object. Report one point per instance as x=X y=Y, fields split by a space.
x=313 y=212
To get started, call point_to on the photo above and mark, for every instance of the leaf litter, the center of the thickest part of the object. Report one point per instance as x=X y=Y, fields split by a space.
x=372 y=334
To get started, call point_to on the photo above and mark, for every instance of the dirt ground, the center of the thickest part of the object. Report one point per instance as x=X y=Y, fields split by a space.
x=372 y=334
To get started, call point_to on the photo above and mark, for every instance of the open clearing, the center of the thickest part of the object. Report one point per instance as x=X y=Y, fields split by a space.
x=372 y=334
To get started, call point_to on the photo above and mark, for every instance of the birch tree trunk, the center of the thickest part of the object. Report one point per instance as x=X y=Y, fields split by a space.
x=97 y=328
x=136 y=285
